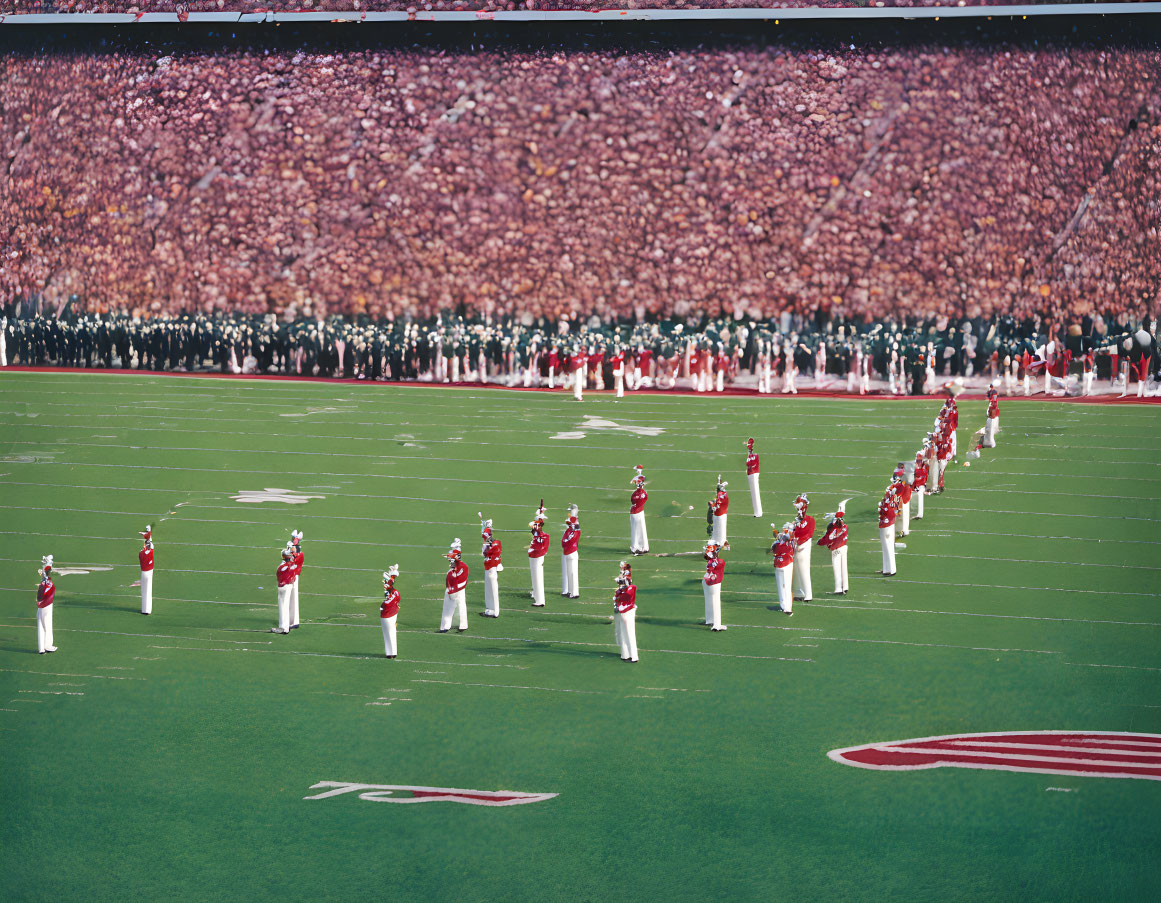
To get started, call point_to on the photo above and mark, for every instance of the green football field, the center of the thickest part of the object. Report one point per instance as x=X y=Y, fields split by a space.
x=168 y=757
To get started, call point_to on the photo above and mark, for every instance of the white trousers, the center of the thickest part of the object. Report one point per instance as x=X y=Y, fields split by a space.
x=788 y=385
x=536 y=565
x=838 y=562
x=389 y=645
x=44 y=629
x=578 y=384
x=989 y=440
x=887 y=546
x=294 y=603
x=721 y=387
x=919 y=494
x=784 y=577
x=284 y=609
x=802 y=571
x=755 y=495
x=1087 y=383
x=619 y=382
x=638 y=537
x=625 y=630
x=905 y=516
x=453 y=602
x=146 y=592
x=719 y=537
x=492 y=591
x=713 y=604
x=552 y=377
x=570 y=574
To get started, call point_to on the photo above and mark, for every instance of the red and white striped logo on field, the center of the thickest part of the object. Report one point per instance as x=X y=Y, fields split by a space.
x=1098 y=754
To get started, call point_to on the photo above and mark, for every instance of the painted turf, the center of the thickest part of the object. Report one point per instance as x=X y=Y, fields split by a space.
x=169 y=757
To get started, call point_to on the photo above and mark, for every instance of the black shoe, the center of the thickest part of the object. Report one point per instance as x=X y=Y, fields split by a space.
x=577 y=596
x=441 y=631
x=391 y=656
x=295 y=626
x=565 y=595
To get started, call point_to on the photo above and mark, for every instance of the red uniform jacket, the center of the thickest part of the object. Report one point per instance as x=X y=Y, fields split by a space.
x=554 y=360
x=299 y=558
x=715 y=570
x=492 y=552
x=887 y=513
x=618 y=361
x=145 y=556
x=576 y=362
x=643 y=358
x=637 y=501
x=457 y=577
x=835 y=536
x=390 y=606
x=285 y=574
x=539 y=545
x=751 y=463
x=783 y=554
x=45 y=594
x=721 y=503
x=920 y=478
x=904 y=491
x=570 y=539
x=625 y=598
x=804 y=530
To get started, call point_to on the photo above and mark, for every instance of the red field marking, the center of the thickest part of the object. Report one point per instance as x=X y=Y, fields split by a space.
x=1087 y=754
x=405 y=793
x=733 y=391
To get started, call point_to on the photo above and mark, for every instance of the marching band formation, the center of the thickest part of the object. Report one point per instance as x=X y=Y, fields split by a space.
x=790 y=550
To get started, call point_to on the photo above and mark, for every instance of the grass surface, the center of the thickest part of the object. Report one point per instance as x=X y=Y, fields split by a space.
x=168 y=757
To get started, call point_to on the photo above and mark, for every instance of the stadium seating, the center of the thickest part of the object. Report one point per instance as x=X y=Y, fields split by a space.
x=742 y=177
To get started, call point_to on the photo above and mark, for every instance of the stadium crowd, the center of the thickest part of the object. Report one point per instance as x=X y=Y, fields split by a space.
x=740 y=180
x=911 y=357
x=413 y=6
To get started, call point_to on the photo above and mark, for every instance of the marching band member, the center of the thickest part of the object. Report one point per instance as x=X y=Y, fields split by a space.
x=887 y=513
x=919 y=483
x=389 y=611
x=791 y=370
x=992 y=424
x=455 y=587
x=145 y=557
x=762 y=368
x=618 y=362
x=285 y=578
x=1088 y=362
x=803 y=529
x=783 y=552
x=45 y=596
x=835 y=539
x=638 y=536
x=819 y=364
x=715 y=570
x=570 y=555
x=902 y=490
x=752 y=477
x=625 y=619
x=578 y=365
x=720 y=506
x=492 y=550
x=537 y=549
x=929 y=369
x=299 y=558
